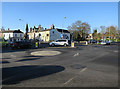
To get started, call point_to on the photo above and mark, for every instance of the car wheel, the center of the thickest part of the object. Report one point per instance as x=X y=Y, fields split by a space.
x=53 y=45
x=65 y=44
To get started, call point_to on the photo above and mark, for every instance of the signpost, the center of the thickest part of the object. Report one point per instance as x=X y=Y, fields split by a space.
x=61 y=35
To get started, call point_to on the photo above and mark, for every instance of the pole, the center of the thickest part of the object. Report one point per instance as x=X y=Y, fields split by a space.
x=109 y=34
x=63 y=26
x=22 y=21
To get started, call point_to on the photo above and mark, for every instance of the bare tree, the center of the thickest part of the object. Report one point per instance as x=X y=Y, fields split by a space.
x=81 y=28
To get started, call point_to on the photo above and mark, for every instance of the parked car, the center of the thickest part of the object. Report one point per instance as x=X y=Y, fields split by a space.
x=21 y=44
x=92 y=41
x=59 y=42
x=105 y=42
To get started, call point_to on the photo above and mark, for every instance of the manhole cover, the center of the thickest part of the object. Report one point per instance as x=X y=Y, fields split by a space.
x=45 y=53
x=77 y=66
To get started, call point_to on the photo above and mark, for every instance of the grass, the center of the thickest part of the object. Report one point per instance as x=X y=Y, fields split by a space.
x=3 y=43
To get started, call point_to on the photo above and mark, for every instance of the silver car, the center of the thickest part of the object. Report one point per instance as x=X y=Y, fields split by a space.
x=59 y=42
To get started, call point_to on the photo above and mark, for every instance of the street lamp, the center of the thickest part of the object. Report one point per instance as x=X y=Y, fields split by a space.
x=22 y=21
x=63 y=26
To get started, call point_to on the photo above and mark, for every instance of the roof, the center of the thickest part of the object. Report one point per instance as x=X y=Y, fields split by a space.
x=12 y=31
x=59 y=30
x=62 y=30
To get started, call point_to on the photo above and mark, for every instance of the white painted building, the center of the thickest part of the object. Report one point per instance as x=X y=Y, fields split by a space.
x=49 y=34
x=13 y=35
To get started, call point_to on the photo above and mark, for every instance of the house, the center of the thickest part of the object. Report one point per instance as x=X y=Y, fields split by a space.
x=47 y=35
x=13 y=35
x=90 y=36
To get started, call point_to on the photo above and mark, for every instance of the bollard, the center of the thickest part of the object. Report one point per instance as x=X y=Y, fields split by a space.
x=72 y=45
x=36 y=44
x=86 y=43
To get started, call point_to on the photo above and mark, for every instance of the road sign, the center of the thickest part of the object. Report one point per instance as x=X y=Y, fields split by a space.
x=61 y=35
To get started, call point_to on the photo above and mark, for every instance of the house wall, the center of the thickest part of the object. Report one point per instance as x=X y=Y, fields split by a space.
x=7 y=35
x=47 y=36
x=54 y=35
x=12 y=36
x=43 y=36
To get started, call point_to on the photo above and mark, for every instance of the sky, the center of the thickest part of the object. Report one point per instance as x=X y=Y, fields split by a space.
x=96 y=14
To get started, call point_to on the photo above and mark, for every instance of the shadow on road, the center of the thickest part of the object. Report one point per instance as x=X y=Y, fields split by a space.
x=14 y=75
x=9 y=50
x=29 y=59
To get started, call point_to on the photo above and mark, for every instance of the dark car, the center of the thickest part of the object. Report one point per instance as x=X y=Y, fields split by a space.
x=21 y=44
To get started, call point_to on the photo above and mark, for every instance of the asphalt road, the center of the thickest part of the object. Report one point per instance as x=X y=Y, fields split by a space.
x=83 y=66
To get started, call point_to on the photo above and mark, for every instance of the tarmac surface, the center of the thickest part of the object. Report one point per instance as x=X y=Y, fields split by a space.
x=82 y=66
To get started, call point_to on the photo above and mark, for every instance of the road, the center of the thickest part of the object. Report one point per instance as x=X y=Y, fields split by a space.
x=83 y=66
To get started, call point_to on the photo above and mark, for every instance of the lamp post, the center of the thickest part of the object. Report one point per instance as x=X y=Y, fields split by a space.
x=63 y=26
x=22 y=21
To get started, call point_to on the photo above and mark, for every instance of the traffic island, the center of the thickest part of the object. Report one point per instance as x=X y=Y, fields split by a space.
x=45 y=53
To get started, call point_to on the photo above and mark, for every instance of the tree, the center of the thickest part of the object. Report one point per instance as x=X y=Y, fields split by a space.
x=81 y=28
x=103 y=31
x=111 y=31
x=95 y=36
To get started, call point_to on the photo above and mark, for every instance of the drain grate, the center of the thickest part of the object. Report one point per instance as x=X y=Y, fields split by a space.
x=77 y=66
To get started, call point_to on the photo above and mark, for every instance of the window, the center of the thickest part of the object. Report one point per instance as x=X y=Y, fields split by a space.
x=61 y=41
x=53 y=32
x=20 y=35
x=9 y=35
x=39 y=34
x=15 y=35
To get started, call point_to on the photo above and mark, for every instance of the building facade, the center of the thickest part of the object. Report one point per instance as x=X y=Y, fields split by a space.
x=48 y=34
x=13 y=35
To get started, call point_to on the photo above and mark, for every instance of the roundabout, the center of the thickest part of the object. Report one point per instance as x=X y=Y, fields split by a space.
x=45 y=53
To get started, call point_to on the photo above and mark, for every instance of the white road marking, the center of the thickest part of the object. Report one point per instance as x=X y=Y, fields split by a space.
x=12 y=55
x=83 y=70
x=69 y=80
x=76 y=54
x=74 y=76
x=115 y=51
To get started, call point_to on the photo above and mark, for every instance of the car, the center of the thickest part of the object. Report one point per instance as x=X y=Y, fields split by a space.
x=92 y=41
x=59 y=42
x=103 y=42
x=107 y=43
x=21 y=44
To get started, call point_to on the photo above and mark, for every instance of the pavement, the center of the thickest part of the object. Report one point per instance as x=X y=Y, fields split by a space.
x=82 y=66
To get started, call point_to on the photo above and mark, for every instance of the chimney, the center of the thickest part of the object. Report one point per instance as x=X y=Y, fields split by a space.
x=8 y=29
x=30 y=29
x=39 y=26
x=18 y=29
x=52 y=26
